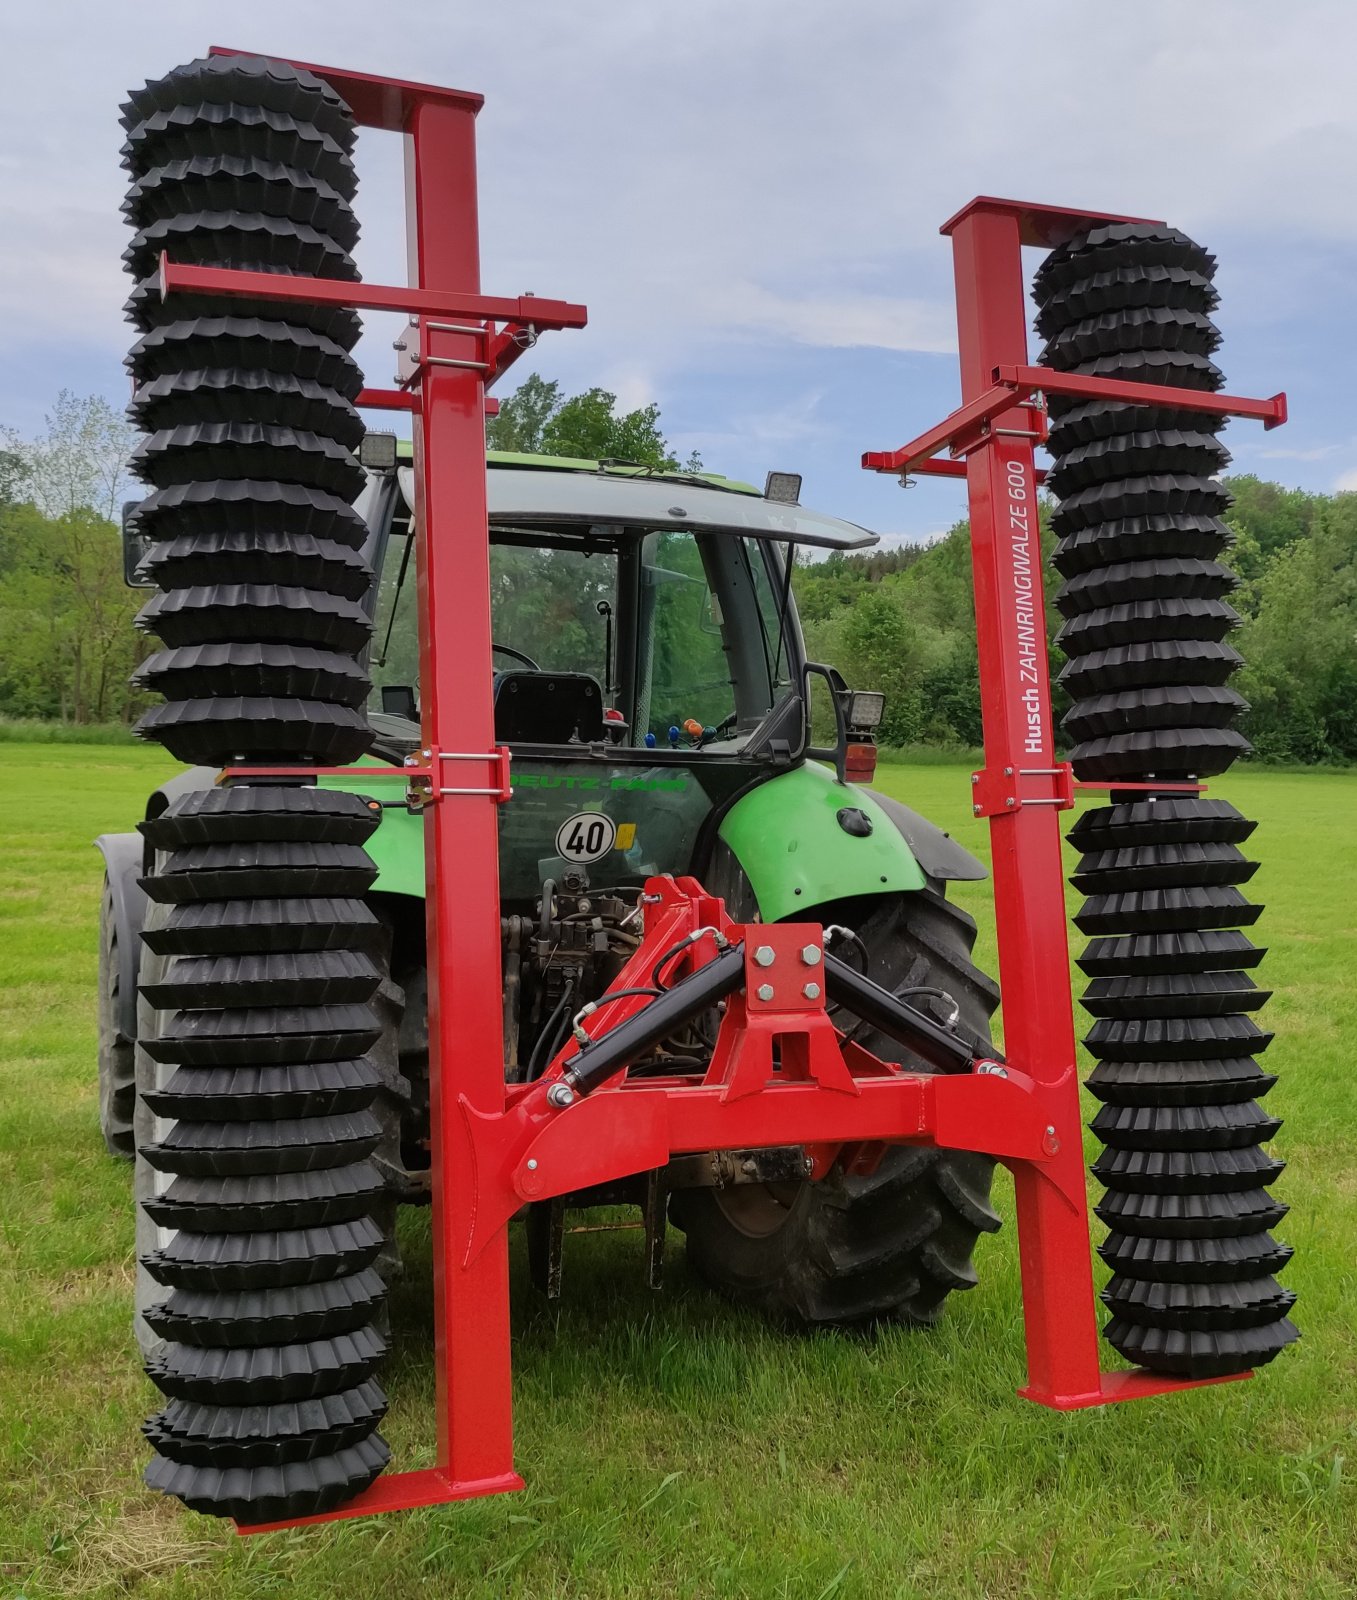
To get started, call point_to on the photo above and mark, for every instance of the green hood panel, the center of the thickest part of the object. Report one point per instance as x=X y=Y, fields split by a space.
x=397 y=846
x=787 y=837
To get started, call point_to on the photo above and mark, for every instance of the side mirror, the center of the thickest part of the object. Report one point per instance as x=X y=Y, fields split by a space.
x=136 y=547
x=398 y=700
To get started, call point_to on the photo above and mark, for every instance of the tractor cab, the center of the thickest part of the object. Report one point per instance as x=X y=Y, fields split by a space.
x=648 y=665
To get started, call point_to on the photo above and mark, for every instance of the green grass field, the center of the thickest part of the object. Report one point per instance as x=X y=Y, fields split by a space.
x=673 y=1447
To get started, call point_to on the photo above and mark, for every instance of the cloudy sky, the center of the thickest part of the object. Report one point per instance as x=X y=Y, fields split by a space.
x=746 y=194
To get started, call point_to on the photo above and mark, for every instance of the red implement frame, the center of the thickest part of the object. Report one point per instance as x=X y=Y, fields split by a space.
x=781 y=1073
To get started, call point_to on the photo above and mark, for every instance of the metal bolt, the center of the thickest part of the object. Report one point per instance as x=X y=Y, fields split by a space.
x=811 y=991
x=560 y=1094
x=764 y=955
x=1050 y=1130
x=1008 y=772
x=808 y=1166
x=532 y=1164
x=991 y=1069
x=1010 y=801
x=811 y=955
x=976 y=809
x=765 y=991
x=975 y=777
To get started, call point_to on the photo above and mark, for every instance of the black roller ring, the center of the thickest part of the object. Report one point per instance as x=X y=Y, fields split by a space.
x=1180 y=994
x=1187 y=1171
x=1199 y=1307
x=266 y=1374
x=1137 y=329
x=1171 y=754
x=271 y=613
x=257 y=81
x=294 y=1089
x=1175 y=819
x=241 y=184
x=205 y=450
x=272 y=1493
x=249 y=869
x=227 y=927
x=1091 y=421
x=1205 y=1260
x=264 y=1259
x=1209 y=663
x=222 y=238
x=216 y=1149
x=261 y=1034
x=1156 y=1084
x=214 y=731
x=1140 y=621
x=1110 y=245
x=1191 y=1216
x=1154 y=494
x=1157 y=706
x=1163 y=577
x=270 y=1316
x=266 y=344
x=236 y=394
x=1120 y=288
x=1102 y=544
x=298 y=561
x=1172 y=864
x=1150 y=954
x=310 y=978
x=246 y=1435
x=260 y=813
x=1187 y=1127
x=1130 y=455
x=1218 y=1354
x=269 y=1202
x=197 y=510
x=1166 y=911
x=204 y=129
x=1176 y=1038
x=254 y=672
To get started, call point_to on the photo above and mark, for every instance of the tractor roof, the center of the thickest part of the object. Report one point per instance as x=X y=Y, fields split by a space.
x=571 y=491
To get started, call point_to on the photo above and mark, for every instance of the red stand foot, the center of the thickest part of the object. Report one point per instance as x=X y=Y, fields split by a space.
x=398 y=1491
x=1138 y=1384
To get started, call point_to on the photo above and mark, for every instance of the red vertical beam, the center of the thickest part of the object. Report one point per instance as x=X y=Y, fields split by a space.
x=1053 y=1238
x=471 y=1303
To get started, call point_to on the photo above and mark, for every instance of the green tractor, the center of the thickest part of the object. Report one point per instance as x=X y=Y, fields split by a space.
x=652 y=684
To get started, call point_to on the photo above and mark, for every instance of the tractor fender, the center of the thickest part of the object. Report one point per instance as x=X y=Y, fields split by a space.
x=122 y=861
x=181 y=784
x=804 y=839
x=937 y=852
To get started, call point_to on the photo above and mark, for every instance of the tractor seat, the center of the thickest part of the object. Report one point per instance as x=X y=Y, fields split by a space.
x=548 y=708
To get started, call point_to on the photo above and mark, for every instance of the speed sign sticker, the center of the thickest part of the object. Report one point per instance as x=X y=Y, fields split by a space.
x=585 y=837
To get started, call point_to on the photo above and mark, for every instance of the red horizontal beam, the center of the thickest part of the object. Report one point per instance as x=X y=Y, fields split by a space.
x=991 y=404
x=1041 y=225
x=384 y=400
x=375 y=102
x=181 y=277
x=1028 y=380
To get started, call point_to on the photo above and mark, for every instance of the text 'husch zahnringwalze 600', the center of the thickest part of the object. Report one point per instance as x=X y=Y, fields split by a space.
x=675 y=956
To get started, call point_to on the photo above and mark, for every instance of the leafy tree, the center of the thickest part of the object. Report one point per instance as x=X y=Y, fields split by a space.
x=537 y=420
x=80 y=462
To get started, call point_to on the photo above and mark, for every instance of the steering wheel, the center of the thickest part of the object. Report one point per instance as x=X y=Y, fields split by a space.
x=508 y=650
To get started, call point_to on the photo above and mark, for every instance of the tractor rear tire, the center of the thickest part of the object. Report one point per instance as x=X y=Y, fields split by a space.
x=117 y=1053
x=890 y=1246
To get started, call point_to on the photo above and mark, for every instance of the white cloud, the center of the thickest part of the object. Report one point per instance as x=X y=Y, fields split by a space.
x=1346 y=481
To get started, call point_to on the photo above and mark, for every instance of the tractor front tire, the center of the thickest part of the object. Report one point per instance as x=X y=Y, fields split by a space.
x=889 y=1246
x=117 y=1053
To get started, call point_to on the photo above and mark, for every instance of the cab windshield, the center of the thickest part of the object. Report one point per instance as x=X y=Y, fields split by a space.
x=686 y=635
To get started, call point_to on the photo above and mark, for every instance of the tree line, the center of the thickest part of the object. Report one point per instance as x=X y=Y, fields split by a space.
x=899 y=619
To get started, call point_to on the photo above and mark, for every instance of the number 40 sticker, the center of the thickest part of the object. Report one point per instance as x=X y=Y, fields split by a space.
x=586 y=836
